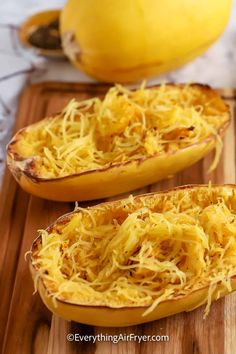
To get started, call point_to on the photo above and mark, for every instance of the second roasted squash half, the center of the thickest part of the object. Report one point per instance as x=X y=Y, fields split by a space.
x=139 y=259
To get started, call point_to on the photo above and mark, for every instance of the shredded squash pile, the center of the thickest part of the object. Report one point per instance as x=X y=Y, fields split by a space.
x=125 y=125
x=141 y=251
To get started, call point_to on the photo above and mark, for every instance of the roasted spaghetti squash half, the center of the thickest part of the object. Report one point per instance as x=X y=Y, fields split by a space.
x=99 y=148
x=139 y=259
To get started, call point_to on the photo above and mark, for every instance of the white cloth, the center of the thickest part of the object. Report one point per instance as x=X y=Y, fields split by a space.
x=19 y=66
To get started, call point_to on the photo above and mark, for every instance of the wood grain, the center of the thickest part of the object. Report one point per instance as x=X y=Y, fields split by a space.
x=27 y=327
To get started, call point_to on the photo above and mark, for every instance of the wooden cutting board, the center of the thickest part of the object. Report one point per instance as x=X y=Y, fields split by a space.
x=27 y=327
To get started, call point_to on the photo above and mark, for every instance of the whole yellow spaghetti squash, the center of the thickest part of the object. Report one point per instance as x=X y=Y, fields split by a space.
x=127 y=40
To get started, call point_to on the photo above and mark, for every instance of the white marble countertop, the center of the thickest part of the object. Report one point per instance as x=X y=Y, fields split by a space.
x=19 y=67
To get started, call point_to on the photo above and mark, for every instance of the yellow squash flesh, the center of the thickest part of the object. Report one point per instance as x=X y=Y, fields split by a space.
x=117 y=178
x=126 y=316
x=126 y=40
